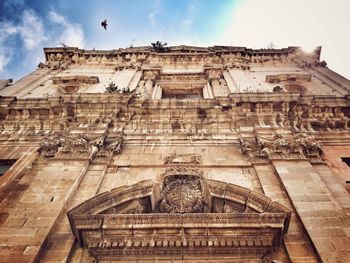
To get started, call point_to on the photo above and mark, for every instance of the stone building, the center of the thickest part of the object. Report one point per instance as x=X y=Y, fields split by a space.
x=218 y=154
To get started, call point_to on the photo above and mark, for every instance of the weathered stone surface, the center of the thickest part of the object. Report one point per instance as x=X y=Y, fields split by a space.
x=246 y=155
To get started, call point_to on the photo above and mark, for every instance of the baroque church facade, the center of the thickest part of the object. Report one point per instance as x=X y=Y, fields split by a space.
x=177 y=154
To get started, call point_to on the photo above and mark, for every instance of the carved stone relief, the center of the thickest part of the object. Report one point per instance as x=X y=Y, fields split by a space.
x=299 y=146
x=182 y=159
x=72 y=84
x=81 y=146
x=104 y=223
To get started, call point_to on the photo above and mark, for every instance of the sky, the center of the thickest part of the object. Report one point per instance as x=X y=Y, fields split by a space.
x=27 y=26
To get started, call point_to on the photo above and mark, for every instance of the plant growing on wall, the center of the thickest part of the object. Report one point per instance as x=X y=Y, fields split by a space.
x=126 y=90
x=277 y=89
x=112 y=88
x=159 y=46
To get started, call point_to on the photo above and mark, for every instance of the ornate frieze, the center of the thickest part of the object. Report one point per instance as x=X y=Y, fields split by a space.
x=32 y=116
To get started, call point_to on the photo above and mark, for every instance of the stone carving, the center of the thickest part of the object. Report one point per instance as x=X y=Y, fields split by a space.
x=245 y=148
x=72 y=84
x=300 y=146
x=280 y=145
x=213 y=73
x=309 y=145
x=182 y=195
x=184 y=191
x=182 y=159
x=74 y=147
x=105 y=223
x=108 y=147
x=178 y=170
x=317 y=118
x=49 y=146
x=63 y=146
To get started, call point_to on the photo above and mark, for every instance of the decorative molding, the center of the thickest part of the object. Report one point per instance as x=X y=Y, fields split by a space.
x=182 y=218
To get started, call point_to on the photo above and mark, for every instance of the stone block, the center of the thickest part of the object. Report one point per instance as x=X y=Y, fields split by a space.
x=299 y=250
x=329 y=232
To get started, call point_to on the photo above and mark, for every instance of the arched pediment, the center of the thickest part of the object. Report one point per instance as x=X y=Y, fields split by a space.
x=181 y=210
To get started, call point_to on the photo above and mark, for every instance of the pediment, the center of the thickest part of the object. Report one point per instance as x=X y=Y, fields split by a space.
x=180 y=211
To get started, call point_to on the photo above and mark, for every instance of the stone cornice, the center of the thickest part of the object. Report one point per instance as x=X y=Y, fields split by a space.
x=173 y=50
x=72 y=54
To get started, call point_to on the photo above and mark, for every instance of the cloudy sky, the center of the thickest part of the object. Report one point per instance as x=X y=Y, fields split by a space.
x=26 y=26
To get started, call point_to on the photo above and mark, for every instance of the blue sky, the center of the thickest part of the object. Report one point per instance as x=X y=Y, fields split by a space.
x=26 y=26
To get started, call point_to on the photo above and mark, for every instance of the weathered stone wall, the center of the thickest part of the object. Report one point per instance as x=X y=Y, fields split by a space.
x=31 y=203
x=73 y=141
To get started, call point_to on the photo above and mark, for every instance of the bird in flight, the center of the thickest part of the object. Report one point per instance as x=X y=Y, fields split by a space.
x=104 y=24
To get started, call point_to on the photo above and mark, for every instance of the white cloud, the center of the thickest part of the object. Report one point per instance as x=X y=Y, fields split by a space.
x=308 y=24
x=30 y=31
x=6 y=52
x=71 y=34
x=57 y=18
x=4 y=59
x=35 y=32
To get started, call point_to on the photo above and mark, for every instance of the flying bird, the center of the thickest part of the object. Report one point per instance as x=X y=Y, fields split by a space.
x=104 y=24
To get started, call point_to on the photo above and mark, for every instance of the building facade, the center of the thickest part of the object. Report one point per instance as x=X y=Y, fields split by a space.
x=172 y=154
